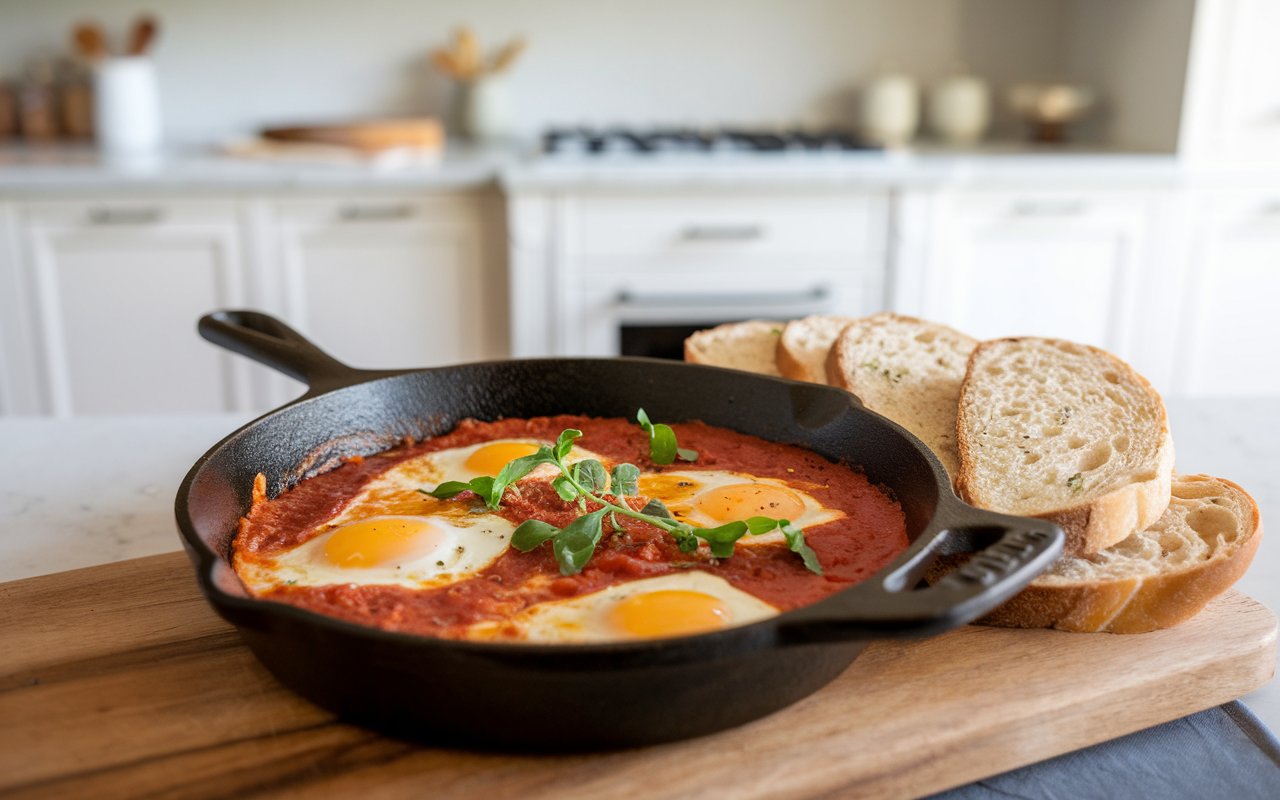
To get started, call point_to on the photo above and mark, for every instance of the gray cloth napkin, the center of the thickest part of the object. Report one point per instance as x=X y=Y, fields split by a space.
x=1224 y=752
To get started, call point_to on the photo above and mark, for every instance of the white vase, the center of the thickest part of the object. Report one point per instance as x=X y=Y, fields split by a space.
x=486 y=110
x=127 y=106
x=890 y=110
x=960 y=109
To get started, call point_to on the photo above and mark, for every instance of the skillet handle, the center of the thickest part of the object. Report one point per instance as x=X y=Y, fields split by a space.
x=889 y=607
x=269 y=341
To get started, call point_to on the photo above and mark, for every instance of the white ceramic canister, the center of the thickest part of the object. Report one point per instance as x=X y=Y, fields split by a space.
x=959 y=109
x=890 y=110
x=127 y=106
x=486 y=109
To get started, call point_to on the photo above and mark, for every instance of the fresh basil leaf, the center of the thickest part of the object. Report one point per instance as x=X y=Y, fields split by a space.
x=662 y=444
x=625 y=481
x=565 y=488
x=515 y=470
x=723 y=538
x=531 y=533
x=797 y=544
x=564 y=443
x=448 y=489
x=643 y=419
x=591 y=474
x=574 y=545
x=686 y=454
x=656 y=508
x=483 y=487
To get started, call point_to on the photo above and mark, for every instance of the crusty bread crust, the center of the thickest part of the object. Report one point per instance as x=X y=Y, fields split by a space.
x=748 y=346
x=791 y=355
x=1136 y=604
x=1102 y=521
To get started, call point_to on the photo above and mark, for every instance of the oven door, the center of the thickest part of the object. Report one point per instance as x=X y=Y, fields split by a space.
x=642 y=319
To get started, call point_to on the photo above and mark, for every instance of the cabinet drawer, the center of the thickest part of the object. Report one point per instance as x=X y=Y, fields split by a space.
x=128 y=213
x=667 y=225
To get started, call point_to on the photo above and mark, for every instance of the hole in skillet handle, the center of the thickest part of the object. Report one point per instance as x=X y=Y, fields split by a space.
x=888 y=606
x=271 y=342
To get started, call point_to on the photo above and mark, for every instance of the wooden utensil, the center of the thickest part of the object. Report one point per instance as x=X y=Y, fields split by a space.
x=144 y=33
x=119 y=680
x=90 y=42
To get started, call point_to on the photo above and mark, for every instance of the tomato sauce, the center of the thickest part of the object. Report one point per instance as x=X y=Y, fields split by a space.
x=869 y=535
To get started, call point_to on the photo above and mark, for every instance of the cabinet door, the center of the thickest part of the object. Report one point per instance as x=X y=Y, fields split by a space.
x=1041 y=265
x=1230 y=344
x=116 y=289
x=393 y=282
x=1233 y=98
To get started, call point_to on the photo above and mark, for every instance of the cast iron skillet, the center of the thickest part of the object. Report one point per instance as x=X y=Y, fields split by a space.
x=580 y=697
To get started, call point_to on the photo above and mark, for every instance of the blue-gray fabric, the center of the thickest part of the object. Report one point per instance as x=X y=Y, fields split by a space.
x=1225 y=752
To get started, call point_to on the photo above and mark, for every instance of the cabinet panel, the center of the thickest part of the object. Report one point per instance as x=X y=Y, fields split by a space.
x=731 y=227
x=1233 y=106
x=117 y=289
x=1057 y=265
x=387 y=283
x=1231 y=342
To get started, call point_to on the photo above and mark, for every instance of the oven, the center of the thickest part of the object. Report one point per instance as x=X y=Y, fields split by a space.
x=634 y=274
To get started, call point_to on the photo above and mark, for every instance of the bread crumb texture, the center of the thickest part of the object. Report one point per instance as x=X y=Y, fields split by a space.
x=1051 y=423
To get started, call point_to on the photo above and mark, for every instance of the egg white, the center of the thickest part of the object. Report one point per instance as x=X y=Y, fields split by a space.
x=586 y=618
x=466 y=545
x=472 y=538
x=680 y=491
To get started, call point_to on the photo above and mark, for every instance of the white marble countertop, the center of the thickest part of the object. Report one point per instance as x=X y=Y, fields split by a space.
x=87 y=491
x=60 y=169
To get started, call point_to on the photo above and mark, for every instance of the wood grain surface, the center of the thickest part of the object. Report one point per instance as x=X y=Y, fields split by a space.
x=119 y=681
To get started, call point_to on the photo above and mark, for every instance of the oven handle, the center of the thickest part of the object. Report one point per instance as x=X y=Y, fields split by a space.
x=650 y=302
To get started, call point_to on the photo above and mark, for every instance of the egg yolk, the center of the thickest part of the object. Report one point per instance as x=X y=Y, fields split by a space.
x=381 y=541
x=490 y=459
x=738 y=501
x=669 y=612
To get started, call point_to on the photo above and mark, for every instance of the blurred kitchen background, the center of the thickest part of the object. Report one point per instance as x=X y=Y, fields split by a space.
x=417 y=183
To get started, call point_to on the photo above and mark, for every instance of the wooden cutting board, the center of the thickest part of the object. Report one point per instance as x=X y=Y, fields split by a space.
x=119 y=681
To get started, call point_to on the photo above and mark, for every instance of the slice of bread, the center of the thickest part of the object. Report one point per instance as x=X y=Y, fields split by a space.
x=1065 y=432
x=747 y=346
x=910 y=371
x=804 y=344
x=1153 y=579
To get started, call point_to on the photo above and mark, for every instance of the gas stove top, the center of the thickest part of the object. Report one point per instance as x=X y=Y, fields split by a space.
x=658 y=141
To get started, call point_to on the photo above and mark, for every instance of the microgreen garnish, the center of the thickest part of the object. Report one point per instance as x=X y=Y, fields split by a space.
x=586 y=482
x=663 y=448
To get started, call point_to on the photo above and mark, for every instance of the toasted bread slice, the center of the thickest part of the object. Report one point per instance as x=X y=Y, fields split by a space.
x=1066 y=432
x=804 y=343
x=910 y=371
x=1153 y=579
x=747 y=346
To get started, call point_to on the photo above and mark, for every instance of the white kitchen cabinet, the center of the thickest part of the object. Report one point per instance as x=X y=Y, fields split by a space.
x=106 y=295
x=390 y=281
x=1230 y=338
x=1074 y=265
x=1231 y=112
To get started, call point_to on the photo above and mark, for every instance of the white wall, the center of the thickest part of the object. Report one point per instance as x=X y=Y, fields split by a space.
x=228 y=66
x=1135 y=53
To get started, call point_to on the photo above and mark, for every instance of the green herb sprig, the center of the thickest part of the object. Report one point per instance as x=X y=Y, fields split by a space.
x=587 y=482
x=663 y=448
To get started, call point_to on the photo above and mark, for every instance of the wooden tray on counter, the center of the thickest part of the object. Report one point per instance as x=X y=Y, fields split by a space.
x=119 y=681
